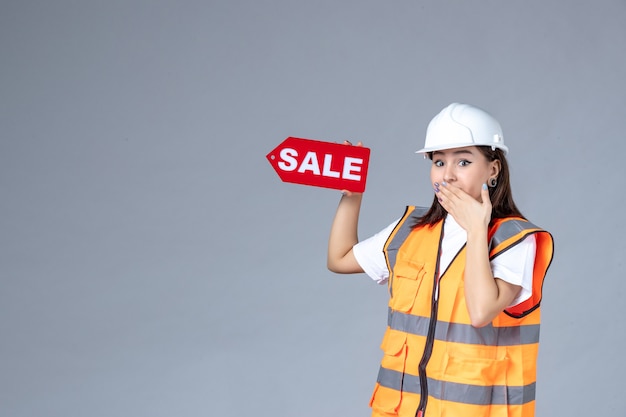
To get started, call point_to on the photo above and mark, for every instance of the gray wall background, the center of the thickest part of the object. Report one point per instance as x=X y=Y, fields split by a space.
x=153 y=264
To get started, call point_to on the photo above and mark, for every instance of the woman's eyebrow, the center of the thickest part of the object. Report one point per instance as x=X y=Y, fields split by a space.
x=457 y=152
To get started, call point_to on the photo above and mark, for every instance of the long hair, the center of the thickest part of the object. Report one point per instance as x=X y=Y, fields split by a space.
x=501 y=196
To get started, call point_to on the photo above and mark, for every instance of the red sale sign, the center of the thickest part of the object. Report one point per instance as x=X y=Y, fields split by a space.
x=321 y=164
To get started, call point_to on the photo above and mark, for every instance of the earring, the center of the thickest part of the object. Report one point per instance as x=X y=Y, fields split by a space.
x=493 y=182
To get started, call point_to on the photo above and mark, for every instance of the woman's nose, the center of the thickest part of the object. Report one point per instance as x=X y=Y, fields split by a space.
x=448 y=175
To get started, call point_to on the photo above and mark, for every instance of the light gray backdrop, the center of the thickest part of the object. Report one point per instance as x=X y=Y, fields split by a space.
x=153 y=264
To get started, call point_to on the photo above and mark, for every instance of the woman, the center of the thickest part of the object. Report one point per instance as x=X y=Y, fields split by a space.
x=464 y=277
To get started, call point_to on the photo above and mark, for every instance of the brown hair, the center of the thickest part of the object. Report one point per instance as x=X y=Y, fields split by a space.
x=501 y=196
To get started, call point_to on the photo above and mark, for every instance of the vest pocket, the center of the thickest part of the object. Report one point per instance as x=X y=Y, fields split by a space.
x=387 y=394
x=407 y=279
x=385 y=401
x=393 y=344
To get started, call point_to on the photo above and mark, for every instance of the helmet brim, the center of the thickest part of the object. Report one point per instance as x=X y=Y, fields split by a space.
x=504 y=148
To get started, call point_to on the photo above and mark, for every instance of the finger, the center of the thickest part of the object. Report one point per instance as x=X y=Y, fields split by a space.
x=446 y=191
x=437 y=189
x=453 y=190
x=347 y=142
x=441 y=192
x=484 y=194
x=442 y=196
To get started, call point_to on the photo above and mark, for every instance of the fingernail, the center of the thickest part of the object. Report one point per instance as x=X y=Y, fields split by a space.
x=444 y=183
x=436 y=184
x=484 y=186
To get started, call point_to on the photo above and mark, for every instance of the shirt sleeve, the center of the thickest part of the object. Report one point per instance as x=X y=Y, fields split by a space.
x=515 y=266
x=370 y=256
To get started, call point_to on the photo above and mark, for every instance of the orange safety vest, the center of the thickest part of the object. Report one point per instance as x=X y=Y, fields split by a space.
x=435 y=362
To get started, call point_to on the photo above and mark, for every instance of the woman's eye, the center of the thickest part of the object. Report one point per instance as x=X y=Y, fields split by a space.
x=438 y=163
x=464 y=162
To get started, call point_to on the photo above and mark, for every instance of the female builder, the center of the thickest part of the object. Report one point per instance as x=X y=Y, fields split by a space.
x=464 y=277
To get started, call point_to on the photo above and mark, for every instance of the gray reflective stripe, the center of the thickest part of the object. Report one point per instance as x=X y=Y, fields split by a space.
x=404 y=230
x=465 y=333
x=508 y=229
x=460 y=393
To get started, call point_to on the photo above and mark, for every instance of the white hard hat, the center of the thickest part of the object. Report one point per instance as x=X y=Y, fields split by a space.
x=461 y=125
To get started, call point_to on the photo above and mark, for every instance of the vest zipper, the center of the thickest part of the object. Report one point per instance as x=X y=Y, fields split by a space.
x=430 y=338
